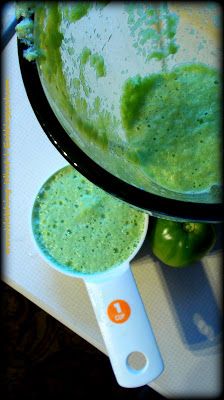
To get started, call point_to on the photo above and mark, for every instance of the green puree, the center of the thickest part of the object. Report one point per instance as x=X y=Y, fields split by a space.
x=82 y=228
x=48 y=41
x=171 y=119
x=173 y=129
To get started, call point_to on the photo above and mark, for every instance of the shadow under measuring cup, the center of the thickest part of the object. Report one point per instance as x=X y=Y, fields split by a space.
x=121 y=316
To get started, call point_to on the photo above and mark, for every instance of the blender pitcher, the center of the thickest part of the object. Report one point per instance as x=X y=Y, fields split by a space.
x=135 y=88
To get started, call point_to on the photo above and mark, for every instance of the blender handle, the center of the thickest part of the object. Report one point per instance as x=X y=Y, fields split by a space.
x=125 y=328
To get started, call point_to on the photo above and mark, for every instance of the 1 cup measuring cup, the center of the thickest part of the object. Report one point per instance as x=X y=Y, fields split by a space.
x=124 y=324
x=120 y=313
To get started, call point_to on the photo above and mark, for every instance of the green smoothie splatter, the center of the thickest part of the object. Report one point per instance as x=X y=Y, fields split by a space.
x=24 y=29
x=97 y=62
x=76 y=111
x=81 y=228
x=95 y=59
x=84 y=58
x=76 y=11
x=153 y=28
x=24 y=9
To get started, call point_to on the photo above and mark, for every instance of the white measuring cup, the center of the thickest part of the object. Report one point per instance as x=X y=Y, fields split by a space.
x=124 y=324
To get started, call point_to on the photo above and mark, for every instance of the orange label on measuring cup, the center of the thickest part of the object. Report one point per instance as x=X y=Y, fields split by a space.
x=118 y=311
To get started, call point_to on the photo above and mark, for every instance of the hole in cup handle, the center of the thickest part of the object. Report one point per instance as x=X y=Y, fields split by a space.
x=137 y=362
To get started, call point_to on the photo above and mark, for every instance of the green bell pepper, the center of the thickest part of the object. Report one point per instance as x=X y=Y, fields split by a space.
x=179 y=244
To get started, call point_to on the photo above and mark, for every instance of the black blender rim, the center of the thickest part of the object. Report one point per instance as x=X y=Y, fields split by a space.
x=162 y=207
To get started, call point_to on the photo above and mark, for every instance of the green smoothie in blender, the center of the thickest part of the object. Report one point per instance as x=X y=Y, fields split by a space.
x=138 y=92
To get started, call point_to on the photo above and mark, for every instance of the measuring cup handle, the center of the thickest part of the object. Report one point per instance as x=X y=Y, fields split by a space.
x=126 y=329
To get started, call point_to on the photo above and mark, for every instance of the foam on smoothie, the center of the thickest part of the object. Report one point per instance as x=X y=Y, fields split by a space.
x=80 y=227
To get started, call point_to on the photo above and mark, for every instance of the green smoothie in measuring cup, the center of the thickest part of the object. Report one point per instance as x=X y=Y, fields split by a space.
x=81 y=228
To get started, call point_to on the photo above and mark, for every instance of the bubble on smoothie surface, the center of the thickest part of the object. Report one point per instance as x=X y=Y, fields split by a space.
x=82 y=228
